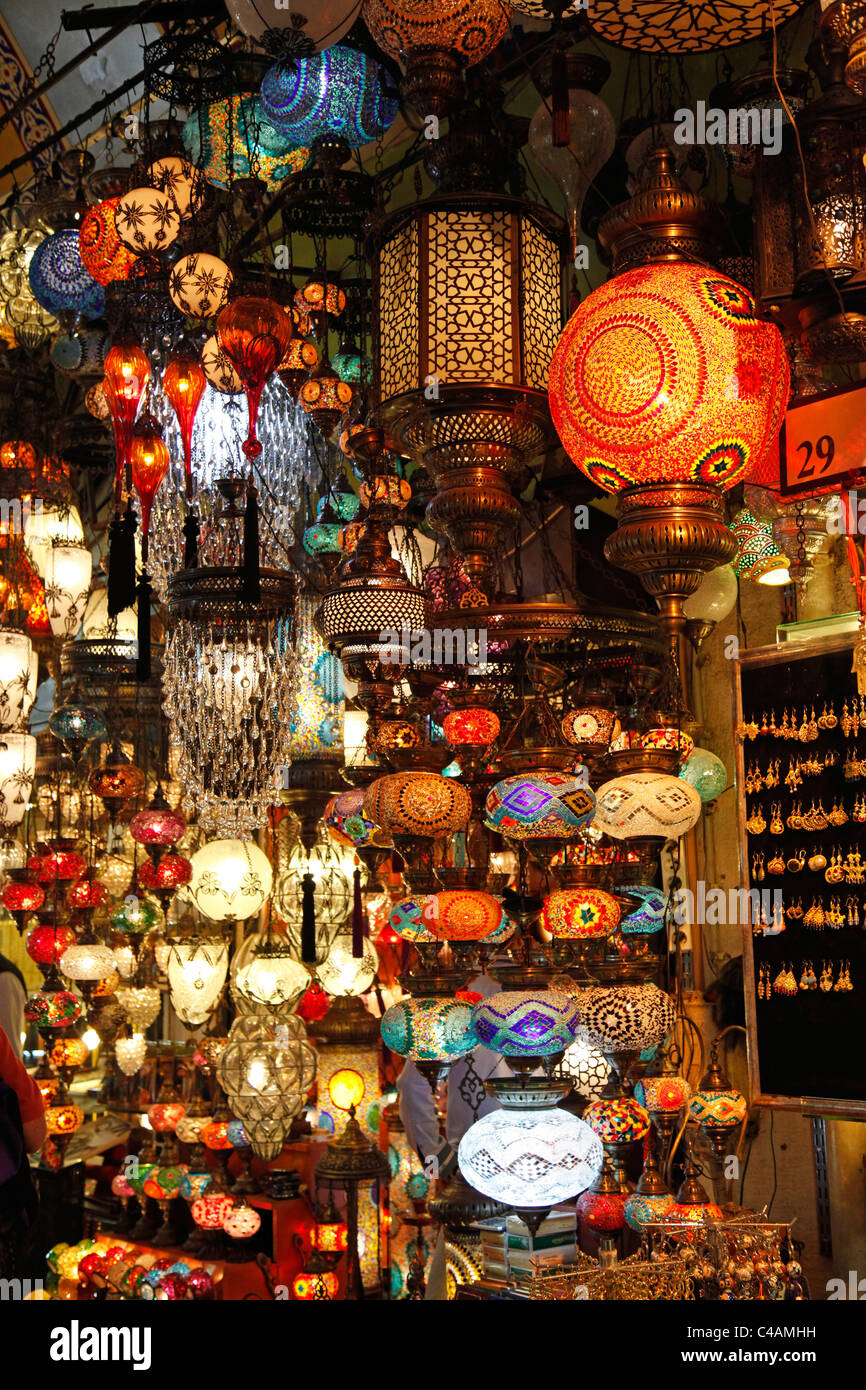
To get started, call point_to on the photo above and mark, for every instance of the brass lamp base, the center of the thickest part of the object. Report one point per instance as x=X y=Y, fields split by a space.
x=669 y=535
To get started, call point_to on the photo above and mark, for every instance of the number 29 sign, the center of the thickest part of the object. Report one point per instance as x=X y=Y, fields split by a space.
x=823 y=443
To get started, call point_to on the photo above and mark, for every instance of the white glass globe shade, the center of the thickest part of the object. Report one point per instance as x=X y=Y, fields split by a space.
x=17 y=771
x=130 y=1053
x=646 y=803
x=231 y=880
x=45 y=525
x=344 y=974
x=16 y=661
x=714 y=598
x=196 y=973
x=68 y=574
x=87 y=962
x=329 y=21
x=530 y=1158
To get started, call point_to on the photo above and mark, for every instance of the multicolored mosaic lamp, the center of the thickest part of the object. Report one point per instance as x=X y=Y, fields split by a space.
x=418 y=803
x=102 y=252
x=651 y=1199
x=231 y=140
x=59 y=280
x=537 y=805
x=462 y=914
x=717 y=1106
x=407 y=921
x=758 y=557
x=435 y=39
x=472 y=727
x=429 y=1030
x=339 y=92
x=622 y=1121
x=526 y=1023
x=602 y=1207
x=580 y=913
x=649 y=917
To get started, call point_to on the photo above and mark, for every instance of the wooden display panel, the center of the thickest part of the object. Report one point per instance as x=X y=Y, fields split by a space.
x=806 y=1052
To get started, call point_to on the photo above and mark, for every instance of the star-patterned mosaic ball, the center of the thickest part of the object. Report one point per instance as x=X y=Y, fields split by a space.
x=718 y=1109
x=626 y=1017
x=662 y=1095
x=647 y=803
x=650 y=915
x=665 y=374
x=641 y=1210
x=580 y=913
x=429 y=1030
x=533 y=1023
x=617 y=1121
x=532 y=805
x=418 y=803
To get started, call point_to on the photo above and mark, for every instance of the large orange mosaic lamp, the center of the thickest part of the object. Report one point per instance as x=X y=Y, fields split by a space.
x=666 y=389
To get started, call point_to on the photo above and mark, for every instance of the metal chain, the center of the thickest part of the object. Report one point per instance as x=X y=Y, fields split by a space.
x=45 y=66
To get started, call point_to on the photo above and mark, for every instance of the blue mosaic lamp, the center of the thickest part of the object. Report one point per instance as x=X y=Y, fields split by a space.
x=536 y=805
x=429 y=1030
x=526 y=1023
x=343 y=503
x=649 y=916
x=322 y=538
x=59 y=280
x=339 y=92
x=77 y=726
x=407 y=921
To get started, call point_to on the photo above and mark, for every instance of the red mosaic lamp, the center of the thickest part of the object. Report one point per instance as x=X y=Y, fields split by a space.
x=580 y=913
x=666 y=389
x=22 y=896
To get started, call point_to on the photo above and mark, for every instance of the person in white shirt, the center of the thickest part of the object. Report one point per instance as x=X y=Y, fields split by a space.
x=13 y=997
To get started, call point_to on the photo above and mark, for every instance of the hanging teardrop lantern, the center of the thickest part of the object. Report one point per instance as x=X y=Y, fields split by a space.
x=183 y=383
x=255 y=334
x=126 y=375
x=149 y=462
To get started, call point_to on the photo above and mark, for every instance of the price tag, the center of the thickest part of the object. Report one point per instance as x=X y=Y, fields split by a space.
x=822 y=442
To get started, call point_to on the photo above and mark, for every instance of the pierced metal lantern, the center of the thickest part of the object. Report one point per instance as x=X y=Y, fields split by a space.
x=468 y=311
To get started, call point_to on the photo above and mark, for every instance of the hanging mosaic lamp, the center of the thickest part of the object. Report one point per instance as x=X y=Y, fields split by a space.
x=531 y=1023
x=232 y=139
x=59 y=280
x=580 y=913
x=758 y=557
x=462 y=914
x=340 y=92
x=103 y=254
x=435 y=40
x=535 y=805
x=127 y=373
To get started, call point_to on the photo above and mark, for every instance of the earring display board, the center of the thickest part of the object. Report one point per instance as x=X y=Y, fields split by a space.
x=800 y=734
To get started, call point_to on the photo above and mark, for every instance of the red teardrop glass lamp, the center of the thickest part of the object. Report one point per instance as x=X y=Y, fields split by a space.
x=126 y=374
x=254 y=333
x=183 y=383
x=149 y=463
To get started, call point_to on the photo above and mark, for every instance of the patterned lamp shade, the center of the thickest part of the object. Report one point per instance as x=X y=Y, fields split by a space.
x=665 y=374
x=468 y=28
x=718 y=1109
x=429 y=1030
x=590 y=724
x=46 y=943
x=647 y=803
x=530 y=1158
x=17 y=773
x=344 y=974
x=211 y=1209
x=626 y=1017
x=103 y=254
x=231 y=880
x=533 y=805
x=603 y=1212
x=575 y=913
x=533 y=1023
x=474 y=727
x=758 y=557
x=242 y=1222
x=53 y=1009
x=141 y=1005
x=650 y=916
x=431 y=321
x=662 y=1095
x=689 y=26
x=418 y=803
x=199 y=286
x=462 y=914
x=617 y=1121
x=347 y=824
x=338 y=92
x=59 y=280
x=286 y=32
x=137 y=916
x=130 y=1053
x=322 y=538
x=692 y=1213
x=147 y=220
x=706 y=773
x=668 y=738
x=157 y=825
x=407 y=921
x=233 y=139
x=87 y=962
x=181 y=181
x=646 y=1209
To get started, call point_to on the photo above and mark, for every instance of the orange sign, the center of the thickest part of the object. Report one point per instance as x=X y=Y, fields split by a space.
x=823 y=443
